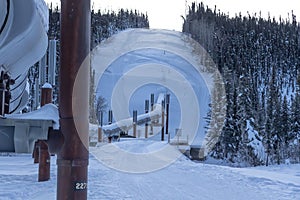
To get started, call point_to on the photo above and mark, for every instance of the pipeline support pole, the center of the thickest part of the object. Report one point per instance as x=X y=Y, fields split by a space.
x=167 y=112
x=152 y=107
x=163 y=120
x=100 y=137
x=134 y=118
x=44 y=162
x=72 y=160
x=110 y=119
x=46 y=94
x=146 y=111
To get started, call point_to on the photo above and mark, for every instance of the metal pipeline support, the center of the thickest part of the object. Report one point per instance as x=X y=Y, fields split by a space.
x=36 y=153
x=41 y=155
x=163 y=120
x=110 y=119
x=46 y=96
x=72 y=160
x=146 y=111
x=44 y=162
x=100 y=135
x=167 y=116
x=151 y=107
x=167 y=112
x=134 y=118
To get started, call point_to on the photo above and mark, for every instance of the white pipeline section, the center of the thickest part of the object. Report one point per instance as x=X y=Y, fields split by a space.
x=127 y=124
x=23 y=41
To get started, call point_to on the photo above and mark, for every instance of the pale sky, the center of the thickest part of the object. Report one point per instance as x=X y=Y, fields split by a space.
x=166 y=14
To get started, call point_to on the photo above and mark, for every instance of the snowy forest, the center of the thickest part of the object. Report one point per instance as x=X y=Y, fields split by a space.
x=259 y=60
x=103 y=25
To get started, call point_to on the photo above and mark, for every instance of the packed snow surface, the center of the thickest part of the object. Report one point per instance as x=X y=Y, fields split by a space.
x=182 y=179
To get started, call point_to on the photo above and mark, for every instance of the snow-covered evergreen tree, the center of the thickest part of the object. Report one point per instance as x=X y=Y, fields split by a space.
x=259 y=60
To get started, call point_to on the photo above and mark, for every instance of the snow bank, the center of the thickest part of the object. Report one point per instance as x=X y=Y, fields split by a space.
x=183 y=179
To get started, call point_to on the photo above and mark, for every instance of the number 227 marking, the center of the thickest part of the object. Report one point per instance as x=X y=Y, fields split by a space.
x=80 y=186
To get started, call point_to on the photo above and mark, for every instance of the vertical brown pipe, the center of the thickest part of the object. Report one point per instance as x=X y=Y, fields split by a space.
x=41 y=152
x=46 y=96
x=44 y=162
x=72 y=160
x=36 y=153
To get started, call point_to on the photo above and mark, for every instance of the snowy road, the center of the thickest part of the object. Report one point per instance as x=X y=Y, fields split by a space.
x=183 y=179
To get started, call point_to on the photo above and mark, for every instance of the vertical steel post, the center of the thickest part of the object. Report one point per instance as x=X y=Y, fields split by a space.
x=101 y=118
x=163 y=120
x=146 y=111
x=100 y=137
x=152 y=101
x=42 y=70
x=72 y=160
x=167 y=112
x=110 y=119
x=52 y=62
x=36 y=94
x=134 y=119
x=152 y=107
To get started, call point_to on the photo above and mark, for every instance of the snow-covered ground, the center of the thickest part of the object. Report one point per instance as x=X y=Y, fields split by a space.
x=183 y=179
